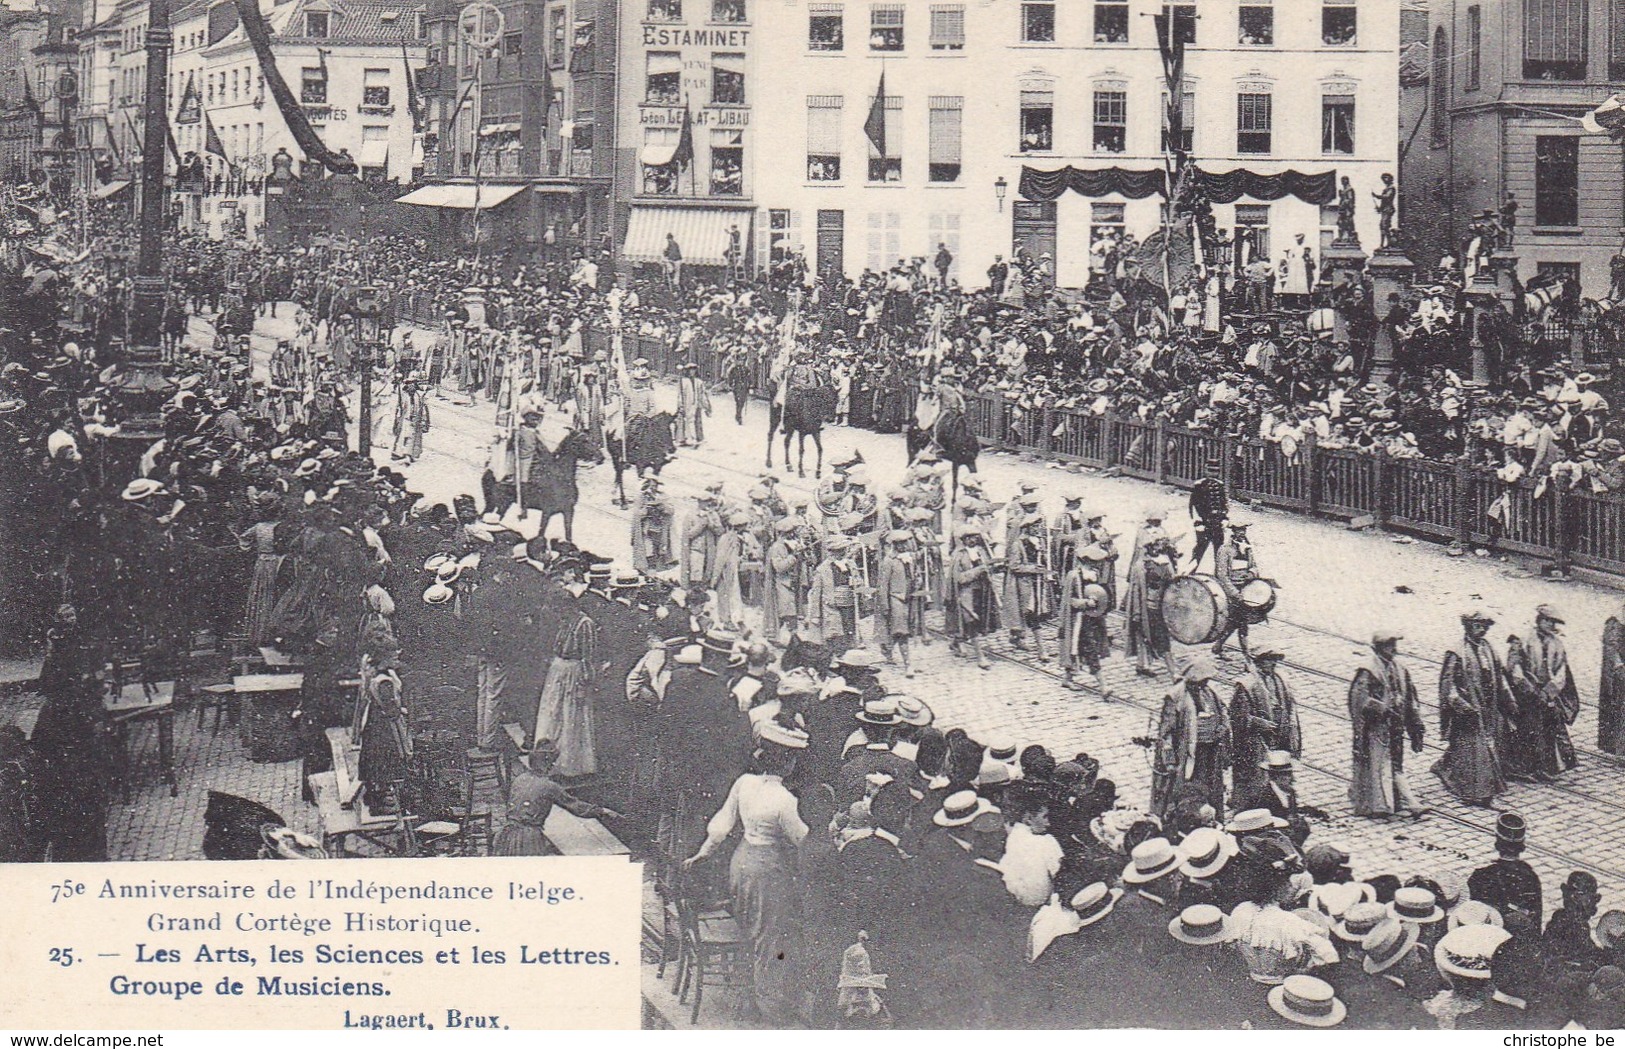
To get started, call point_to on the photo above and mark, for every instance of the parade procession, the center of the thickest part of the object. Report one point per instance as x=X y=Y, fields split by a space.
x=1094 y=628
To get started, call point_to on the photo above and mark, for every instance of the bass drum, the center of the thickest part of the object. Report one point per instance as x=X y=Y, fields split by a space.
x=1194 y=609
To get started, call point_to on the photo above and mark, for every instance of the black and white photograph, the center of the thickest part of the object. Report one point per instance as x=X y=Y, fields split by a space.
x=1013 y=514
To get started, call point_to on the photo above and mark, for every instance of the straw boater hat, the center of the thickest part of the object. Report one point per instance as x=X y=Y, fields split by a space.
x=1416 y=905
x=1308 y=1000
x=1200 y=925
x=961 y=808
x=792 y=738
x=1335 y=900
x=1254 y=820
x=141 y=488
x=1207 y=850
x=437 y=594
x=914 y=712
x=1094 y=902
x=1359 y=920
x=1466 y=950
x=882 y=711
x=1387 y=944
x=1474 y=912
x=1150 y=860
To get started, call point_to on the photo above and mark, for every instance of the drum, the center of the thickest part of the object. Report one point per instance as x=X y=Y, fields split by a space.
x=1194 y=609
x=1257 y=599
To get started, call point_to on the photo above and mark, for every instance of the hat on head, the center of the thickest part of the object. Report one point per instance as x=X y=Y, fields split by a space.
x=1094 y=902
x=690 y=656
x=1359 y=920
x=1379 y=637
x=1509 y=831
x=1335 y=900
x=1477 y=615
x=1549 y=612
x=1207 y=850
x=773 y=732
x=1389 y=942
x=856 y=659
x=1151 y=859
x=1254 y=820
x=718 y=639
x=141 y=488
x=1200 y=925
x=1416 y=904
x=1307 y=1000
x=1201 y=668
x=1474 y=912
x=961 y=808
x=1466 y=950
x=1276 y=760
x=881 y=711
x=913 y=712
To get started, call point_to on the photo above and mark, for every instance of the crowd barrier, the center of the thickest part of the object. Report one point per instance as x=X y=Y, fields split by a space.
x=1446 y=502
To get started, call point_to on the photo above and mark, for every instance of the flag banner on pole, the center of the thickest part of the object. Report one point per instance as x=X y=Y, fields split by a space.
x=1606 y=119
x=211 y=139
x=684 y=156
x=413 y=105
x=293 y=114
x=874 y=127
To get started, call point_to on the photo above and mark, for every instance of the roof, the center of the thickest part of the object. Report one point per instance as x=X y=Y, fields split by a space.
x=355 y=22
x=1414 y=63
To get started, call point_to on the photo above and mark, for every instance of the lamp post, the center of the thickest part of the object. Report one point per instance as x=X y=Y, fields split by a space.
x=367 y=318
x=143 y=386
x=1000 y=187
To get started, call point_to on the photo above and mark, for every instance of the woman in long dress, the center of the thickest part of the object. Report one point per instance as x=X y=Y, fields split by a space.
x=260 y=540
x=386 y=742
x=565 y=714
x=762 y=873
x=532 y=793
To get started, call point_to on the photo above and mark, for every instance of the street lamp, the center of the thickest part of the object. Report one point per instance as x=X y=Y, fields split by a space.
x=1000 y=187
x=368 y=313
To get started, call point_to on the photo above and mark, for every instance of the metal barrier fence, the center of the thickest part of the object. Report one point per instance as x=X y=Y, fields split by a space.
x=1450 y=502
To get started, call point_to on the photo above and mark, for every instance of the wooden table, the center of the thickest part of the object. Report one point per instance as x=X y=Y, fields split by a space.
x=340 y=822
x=137 y=703
x=573 y=835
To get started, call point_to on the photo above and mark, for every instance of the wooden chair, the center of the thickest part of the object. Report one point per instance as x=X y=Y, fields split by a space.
x=712 y=947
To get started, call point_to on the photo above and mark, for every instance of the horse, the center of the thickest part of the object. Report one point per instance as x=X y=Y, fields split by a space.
x=806 y=409
x=950 y=434
x=551 y=489
x=645 y=444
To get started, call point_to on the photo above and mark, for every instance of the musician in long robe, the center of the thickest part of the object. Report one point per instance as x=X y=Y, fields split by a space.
x=1083 y=639
x=1178 y=741
x=1147 y=585
x=1263 y=717
x=900 y=598
x=701 y=532
x=1026 y=593
x=1098 y=535
x=727 y=572
x=1473 y=695
x=1611 y=686
x=1066 y=534
x=693 y=405
x=782 y=590
x=832 y=600
x=973 y=605
x=1547 y=700
x=1237 y=566
x=1384 y=710
x=651 y=529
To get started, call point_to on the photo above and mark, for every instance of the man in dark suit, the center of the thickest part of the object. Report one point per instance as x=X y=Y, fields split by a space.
x=1509 y=883
x=1278 y=795
x=878 y=720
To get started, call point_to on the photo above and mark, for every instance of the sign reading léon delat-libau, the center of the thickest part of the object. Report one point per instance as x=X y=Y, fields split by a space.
x=722 y=118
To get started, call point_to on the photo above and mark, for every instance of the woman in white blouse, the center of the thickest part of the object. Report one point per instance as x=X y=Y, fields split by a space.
x=762 y=873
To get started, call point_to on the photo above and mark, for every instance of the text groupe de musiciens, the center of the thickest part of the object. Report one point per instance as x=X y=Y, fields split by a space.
x=331 y=889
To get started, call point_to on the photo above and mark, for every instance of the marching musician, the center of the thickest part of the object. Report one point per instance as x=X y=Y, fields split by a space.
x=1107 y=541
x=973 y=607
x=1026 y=593
x=1237 y=567
x=1083 y=640
x=900 y=598
x=701 y=532
x=1148 y=584
x=783 y=588
x=727 y=570
x=775 y=499
x=832 y=600
x=1069 y=528
x=651 y=529
x=922 y=522
x=1016 y=512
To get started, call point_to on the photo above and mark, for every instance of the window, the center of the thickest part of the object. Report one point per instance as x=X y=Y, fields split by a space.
x=1439 y=88
x=1563 y=271
x=1328 y=226
x=1187 y=120
x=1616 y=39
x=731 y=11
x=1339 y=23
x=728 y=79
x=1557 y=180
x=1037 y=121
x=1038 y=23
x=1337 y=124
x=1252 y=234
x=946 y=137
x=555 y=37
x=1554 y=39
x=727 y=162
x=665 y=10
x=235 y=83
x=659 y=168
x=1475 y=44
x=885 y=240
x=312 y=86
x=944 y=228
x=316 y=24
x=663 y=84
x=1105 y=220
x=824 y=137
x=513 y=45
x=1256 y=26
x=1254 y=122
x=375 y=87
x=1184 y=21
x=1111 y=121
x=783 y=235
x=886 y=27
x=581 y=147
x=825 y=28
x=947 y=27
x=887 y=166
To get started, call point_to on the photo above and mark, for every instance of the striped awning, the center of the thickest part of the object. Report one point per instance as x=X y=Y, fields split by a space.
x=459 y=195
x=702 y=233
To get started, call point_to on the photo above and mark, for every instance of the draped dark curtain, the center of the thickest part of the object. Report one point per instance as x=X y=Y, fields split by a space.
x=1226 y=188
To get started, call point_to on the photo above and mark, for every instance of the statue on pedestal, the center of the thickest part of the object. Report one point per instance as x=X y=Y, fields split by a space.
x=1509 y=219
x=1345 y=213
x=1386 y=206
x=282 y=165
